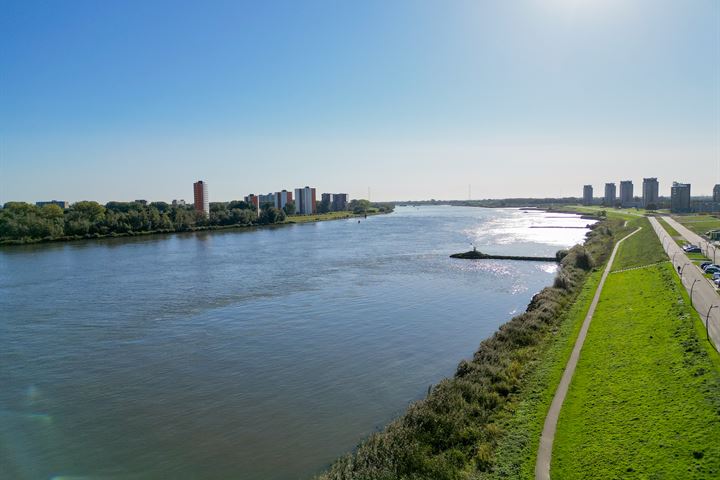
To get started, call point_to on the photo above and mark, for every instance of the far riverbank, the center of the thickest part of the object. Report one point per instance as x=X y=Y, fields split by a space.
x=292 y=220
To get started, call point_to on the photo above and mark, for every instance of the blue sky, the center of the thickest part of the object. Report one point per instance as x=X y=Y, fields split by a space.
x=414 y=99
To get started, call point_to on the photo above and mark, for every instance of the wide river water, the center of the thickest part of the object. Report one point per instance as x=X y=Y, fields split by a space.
x=258 y=354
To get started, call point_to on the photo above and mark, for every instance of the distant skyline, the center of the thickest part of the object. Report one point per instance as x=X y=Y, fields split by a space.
x=414 y=99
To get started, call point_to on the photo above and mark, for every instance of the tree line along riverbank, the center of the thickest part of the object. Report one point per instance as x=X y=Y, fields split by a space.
x=644 y=401
x=23 y=223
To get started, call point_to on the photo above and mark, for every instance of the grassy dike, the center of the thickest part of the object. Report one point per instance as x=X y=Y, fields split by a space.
x=679 y=239
x=645 y=398
x=484 y=422
x=517 y=451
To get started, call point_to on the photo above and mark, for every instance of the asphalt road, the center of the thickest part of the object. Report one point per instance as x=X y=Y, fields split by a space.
x=704 y=297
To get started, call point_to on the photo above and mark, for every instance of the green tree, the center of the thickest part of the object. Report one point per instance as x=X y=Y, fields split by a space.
x=161 y=207
x=240 y=216
x=360 y=206
x=54 y=223
x=289 y=208
x=239 y=204
x=183 y=219
x=92 y=211
x=271 y=215
x=323 y=206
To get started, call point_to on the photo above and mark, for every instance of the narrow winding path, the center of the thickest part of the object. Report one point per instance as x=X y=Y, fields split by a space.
x=542 y=466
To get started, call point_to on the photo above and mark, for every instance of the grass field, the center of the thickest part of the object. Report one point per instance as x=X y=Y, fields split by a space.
x=319 y=217
x=645 y=397
x=698 y=223
x=679 y=239
x=622 y=211
x=616 y=212
x=641 y=249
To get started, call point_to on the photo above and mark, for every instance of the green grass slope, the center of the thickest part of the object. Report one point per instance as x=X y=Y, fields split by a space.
x=699 y=223
x=645 y=398
x=641 y=249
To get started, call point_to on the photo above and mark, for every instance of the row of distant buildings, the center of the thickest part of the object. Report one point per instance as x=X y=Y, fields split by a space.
x=305 y=199
x=680 y=199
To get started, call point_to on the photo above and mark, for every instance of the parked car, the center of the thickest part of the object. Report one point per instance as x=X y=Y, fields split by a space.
x=712 y=265
x=705 y=264
x=712 y=270
x=693 y=249
x=688 y=245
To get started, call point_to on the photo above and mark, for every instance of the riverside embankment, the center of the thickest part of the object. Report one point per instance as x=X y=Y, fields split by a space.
x=487 y=417
x=644 y=397
x=643 y=401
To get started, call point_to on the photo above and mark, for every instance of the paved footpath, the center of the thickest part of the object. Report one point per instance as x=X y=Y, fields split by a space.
x=703 y=295
x=542 y=466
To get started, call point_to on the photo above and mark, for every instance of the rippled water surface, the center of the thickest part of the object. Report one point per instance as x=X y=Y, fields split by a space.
x=247 y=354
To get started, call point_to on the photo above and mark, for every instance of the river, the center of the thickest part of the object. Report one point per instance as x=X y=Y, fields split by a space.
x=258 y=354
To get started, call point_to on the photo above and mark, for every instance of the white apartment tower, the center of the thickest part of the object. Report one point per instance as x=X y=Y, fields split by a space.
x=305 y=201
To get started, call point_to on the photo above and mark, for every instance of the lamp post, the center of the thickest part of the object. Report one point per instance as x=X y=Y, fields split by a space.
x=707 y=322
x=683 y=268
x=691 y=290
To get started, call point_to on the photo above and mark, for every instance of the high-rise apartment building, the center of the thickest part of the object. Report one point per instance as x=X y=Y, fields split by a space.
x=201 y=197
x=339 y=202
x=626 y=193
x=283 y=198
x=253 y=200
x=587 y=195
x=325 y=203
x=610 y=195
x=305 y=201
x=716 y=193
x=268 y=198
x=680 y=197
x=650 y=192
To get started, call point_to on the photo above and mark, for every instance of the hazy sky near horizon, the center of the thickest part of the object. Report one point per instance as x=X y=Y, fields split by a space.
x=415 y=99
